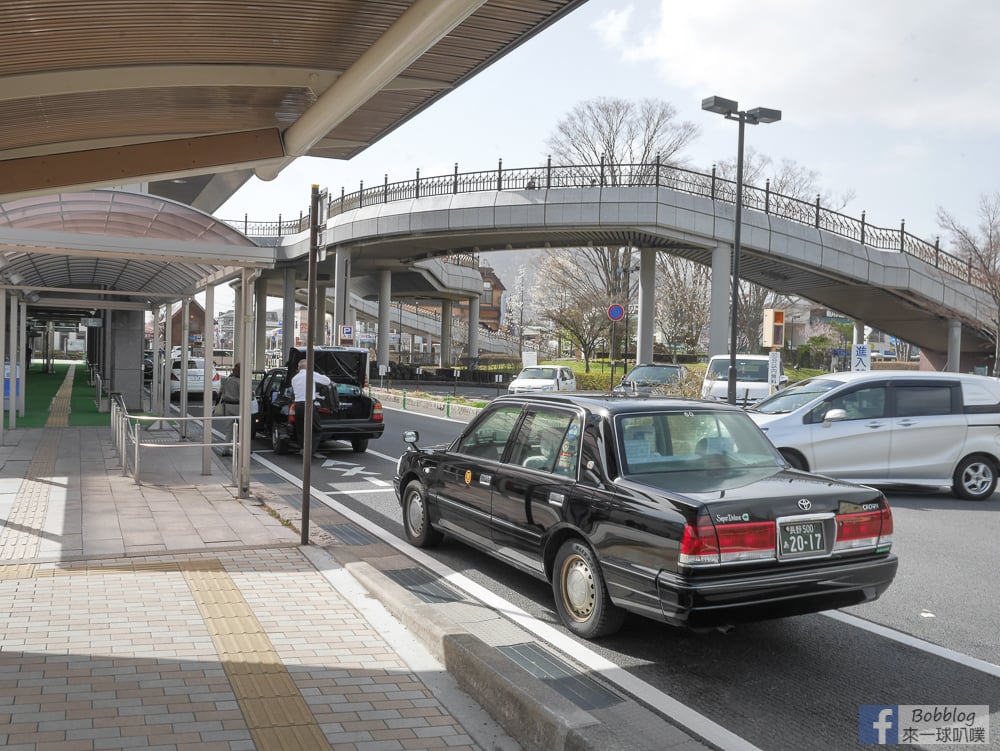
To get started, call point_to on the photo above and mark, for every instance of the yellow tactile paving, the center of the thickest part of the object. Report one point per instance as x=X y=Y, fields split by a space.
x=277 y=716
x=17 y=571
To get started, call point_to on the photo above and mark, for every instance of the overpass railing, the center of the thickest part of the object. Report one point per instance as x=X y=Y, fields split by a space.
x=608 y=173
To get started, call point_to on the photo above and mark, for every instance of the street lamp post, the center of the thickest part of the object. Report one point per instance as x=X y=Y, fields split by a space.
x=731 y=111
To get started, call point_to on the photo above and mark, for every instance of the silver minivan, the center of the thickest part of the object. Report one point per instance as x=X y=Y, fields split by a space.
x=891 y=428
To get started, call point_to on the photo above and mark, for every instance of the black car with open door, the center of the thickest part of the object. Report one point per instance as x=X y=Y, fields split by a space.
x=343 y=411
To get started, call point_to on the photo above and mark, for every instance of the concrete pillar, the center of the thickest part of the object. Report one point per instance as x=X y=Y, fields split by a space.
x=647 y=306
x=718 y=322
x=185 y=353
x=859 y=333
x=288 y=314
x=14 y=360
x=168 y=344
x=245 y=434
x=446 y=314
x=125 y=365
x=22 y=343
x=237 y=328
x=206 y=394
x=384 y=313
x=3 y=353
x=255 y=358
x=473 y=343
x=954 y=346
x=341 y=285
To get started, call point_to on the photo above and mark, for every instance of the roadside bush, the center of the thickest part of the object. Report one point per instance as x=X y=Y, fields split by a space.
x=593 y=381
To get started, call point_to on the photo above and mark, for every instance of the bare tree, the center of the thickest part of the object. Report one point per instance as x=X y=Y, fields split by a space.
x=682 y=287
x=619 y=132
x=789 y=178
x=981 y=247
x=572 y=300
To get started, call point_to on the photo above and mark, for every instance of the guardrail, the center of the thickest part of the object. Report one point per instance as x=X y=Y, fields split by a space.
x=608 y=173
x=132 y=433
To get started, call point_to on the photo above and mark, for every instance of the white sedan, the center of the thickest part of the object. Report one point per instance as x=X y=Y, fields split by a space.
x=195 y=378
x=543 y=378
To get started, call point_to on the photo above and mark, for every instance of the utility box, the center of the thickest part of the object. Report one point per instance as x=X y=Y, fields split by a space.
x=774 y=328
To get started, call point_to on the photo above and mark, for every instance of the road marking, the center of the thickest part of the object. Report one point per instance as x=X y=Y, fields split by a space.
x=912 y=641
x=358 y=491
x=380 y=483
x=422 y=414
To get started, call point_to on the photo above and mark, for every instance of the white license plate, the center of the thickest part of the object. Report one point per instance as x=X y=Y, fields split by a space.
x=804 y=536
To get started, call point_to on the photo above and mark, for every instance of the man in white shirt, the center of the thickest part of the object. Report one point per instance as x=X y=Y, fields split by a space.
x=299 y=391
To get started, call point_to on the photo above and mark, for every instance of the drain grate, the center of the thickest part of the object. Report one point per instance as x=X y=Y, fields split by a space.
x=350 y=534
x=582 y=690
x=423 y=585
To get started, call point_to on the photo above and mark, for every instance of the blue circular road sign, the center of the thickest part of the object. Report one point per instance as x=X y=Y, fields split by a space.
x=616 y=312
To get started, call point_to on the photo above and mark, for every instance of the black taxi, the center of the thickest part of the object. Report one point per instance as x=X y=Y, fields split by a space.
x=679 y=510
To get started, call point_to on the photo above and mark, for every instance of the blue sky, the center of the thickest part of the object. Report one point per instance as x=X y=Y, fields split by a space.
x=894 y=100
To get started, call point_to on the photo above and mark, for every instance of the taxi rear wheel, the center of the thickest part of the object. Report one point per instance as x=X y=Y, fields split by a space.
x=581 y=595
x=416 y=519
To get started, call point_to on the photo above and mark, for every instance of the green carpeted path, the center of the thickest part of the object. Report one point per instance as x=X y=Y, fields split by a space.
x=40 y=389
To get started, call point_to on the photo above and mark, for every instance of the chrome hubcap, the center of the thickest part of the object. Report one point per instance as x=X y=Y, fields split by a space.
x=415 y=513
x=578 y=588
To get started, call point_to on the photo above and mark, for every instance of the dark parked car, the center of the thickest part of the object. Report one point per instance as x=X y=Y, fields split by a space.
x=679 y=510
x=651 y=378
x=344 y=411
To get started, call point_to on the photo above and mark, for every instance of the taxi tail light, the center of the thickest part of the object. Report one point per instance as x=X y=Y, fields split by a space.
x=705 y=544
x=291 y=413
x=174 y=376
x=215 y=377
x=868 y=529
x=749 y=541
x=377 y=412
x=700 y=543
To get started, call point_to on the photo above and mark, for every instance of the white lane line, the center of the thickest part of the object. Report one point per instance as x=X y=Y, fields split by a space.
x=917 y=643
x=424 y=414
x=687 y=718
x=380 y=483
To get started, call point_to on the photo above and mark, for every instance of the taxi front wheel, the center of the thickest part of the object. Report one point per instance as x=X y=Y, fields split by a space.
x=416 y=519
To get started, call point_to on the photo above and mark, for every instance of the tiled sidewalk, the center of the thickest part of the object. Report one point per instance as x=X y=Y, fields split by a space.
x=182 y=618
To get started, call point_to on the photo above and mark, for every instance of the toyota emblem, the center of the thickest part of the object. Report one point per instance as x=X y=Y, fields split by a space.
x=805 y=504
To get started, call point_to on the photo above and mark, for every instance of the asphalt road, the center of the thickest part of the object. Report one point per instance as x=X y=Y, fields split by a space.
x=793 y=683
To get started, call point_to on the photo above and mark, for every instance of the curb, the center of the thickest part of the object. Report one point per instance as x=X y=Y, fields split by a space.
x=536 y=716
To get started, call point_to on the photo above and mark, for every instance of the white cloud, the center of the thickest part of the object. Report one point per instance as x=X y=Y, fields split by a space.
x=895 y=63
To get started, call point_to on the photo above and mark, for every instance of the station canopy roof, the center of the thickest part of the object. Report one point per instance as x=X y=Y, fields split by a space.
x=188 y=99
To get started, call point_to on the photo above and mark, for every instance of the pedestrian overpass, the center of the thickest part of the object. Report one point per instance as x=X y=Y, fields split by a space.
x=885 y=278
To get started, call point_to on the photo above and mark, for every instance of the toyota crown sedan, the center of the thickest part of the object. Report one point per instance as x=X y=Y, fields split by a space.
x=678 y=510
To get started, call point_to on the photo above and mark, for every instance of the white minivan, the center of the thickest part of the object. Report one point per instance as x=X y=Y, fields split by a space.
x=891 y=428
x=751 y=379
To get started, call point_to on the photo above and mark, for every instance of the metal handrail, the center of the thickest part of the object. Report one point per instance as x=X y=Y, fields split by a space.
x=126 y=431
x=653 y=174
